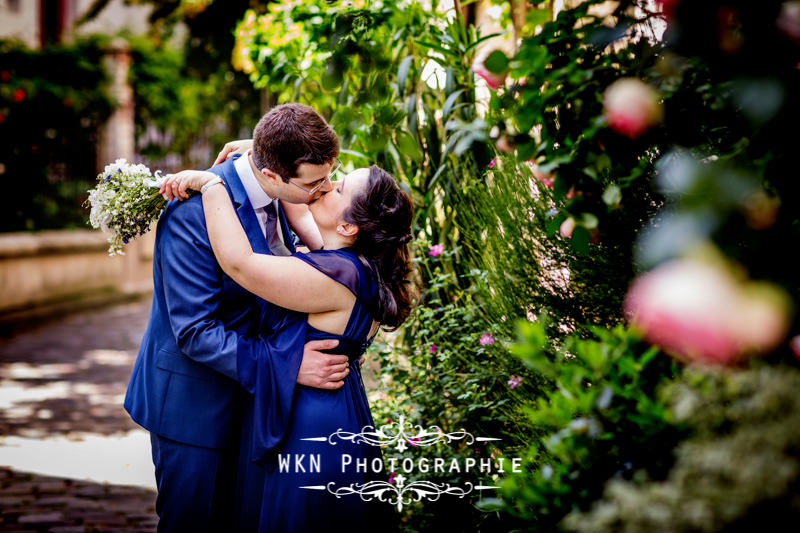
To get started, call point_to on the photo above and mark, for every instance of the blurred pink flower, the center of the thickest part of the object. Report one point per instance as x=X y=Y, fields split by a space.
x=669 y=7
x=495 y=81
x=794 y=344
x=436 y=249
x=486 y=338
x=631 y=107
x=504 y=144
x=702 y=312
x=432 y=348
x=414 y=441
x=515 y=381
x=789 y=21
x=492 y=162
x=567 y=228
x=391 y=478
x=545 y=178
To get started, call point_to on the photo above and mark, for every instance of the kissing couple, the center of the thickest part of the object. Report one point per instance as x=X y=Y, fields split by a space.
x=253 y=348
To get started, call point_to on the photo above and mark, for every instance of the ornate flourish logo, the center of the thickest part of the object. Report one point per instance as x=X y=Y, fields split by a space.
x=401 y=436
x=400 y=494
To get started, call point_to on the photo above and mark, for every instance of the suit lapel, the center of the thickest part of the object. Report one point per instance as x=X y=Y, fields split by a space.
x=244 y=209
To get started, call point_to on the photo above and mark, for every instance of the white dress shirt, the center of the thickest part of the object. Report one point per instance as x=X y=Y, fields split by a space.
x=258 y=198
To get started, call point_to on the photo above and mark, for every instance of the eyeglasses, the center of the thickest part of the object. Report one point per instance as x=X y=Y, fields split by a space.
x=337 y=166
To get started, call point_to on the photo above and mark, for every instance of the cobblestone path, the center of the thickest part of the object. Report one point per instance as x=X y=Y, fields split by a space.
x=66 y=379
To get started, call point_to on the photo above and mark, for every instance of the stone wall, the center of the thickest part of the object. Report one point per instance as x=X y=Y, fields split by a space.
x=53 y=272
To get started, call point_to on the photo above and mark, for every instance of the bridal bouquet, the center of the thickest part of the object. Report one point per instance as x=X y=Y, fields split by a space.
x=125 y=202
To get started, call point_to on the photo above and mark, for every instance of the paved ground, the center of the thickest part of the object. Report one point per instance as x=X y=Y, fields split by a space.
x=38 y=503
x=64 y=381
x=62 y=384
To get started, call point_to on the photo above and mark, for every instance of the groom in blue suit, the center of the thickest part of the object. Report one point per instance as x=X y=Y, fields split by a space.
x=184 y=387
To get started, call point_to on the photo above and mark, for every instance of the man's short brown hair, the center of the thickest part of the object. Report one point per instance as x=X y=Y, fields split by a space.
x=292 y=134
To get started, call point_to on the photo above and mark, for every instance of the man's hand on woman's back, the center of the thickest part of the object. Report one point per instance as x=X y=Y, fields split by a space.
x=322 y=370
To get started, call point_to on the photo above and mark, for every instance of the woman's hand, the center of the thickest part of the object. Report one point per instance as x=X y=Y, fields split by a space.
x=233 y=147
x=177 y=185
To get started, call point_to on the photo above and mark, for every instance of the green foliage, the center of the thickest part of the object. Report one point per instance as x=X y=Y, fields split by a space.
x=719 y=161
x=189 y=99
x=601 y=417
x=447 y=377
x=187 y=103
x=52 y=105
x=739 y=471
x=554 y=117
x=334 y=56
x=584 y=406
x=180 y=113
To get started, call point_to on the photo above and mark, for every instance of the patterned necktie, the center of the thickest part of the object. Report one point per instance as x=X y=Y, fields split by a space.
x=274 y=242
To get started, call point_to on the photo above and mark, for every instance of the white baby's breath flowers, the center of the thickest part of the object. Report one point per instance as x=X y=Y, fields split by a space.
x=125 y=202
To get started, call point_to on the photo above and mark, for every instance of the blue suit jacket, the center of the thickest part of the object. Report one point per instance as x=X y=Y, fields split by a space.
x=183 y=386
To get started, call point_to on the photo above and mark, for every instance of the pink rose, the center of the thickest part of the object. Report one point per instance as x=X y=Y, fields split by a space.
x=631 y=107
x=794 y=344
x=567 y=227
x=789 y=21
x=702 y=312
x=494 y=80
x=436 y=249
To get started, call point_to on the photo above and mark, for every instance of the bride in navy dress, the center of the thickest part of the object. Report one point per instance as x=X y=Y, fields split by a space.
x=295 y=455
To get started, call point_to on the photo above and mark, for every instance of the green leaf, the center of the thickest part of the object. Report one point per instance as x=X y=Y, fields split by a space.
x=355 y=154
x=450 y=81
x=589 y=221
x=442 y=49
x=408 y=146
x=465 y=143
x=436 y=176
x=496 y=62
x=581 y=239
x=402 y=74
x=453 y=140
x=537 y=17
x=612 y=196
x=333 y=75
x=341 y=99
x=411 y=110
x=483 y=38
x=603 y=162
x=448 y=104
x=560 y=188
x=526 y=149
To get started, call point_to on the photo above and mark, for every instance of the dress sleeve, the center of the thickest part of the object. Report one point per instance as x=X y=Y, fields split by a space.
x=337 y=264
x=267 y=369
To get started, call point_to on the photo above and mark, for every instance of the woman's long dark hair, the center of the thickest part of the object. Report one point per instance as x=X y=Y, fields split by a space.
x=383 y=213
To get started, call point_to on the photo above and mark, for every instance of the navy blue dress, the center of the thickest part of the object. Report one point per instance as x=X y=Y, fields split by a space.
x=300 y=475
